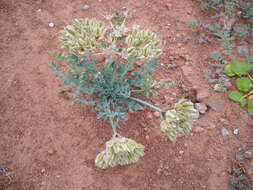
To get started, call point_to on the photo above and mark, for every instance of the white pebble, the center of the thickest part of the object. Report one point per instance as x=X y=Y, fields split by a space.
x=51 y=24
x=85 y=7
x=236 y=131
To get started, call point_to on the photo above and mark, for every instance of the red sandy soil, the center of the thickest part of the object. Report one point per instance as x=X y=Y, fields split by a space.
x=48 y=143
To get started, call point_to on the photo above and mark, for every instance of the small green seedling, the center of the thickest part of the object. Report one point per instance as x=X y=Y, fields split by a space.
x=244 y=83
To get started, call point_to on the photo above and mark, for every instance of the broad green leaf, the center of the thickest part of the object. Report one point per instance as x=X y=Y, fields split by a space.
x=229 y=71
x=244 y=84
x=237 y=97
x=250 y=107
x=241 y=68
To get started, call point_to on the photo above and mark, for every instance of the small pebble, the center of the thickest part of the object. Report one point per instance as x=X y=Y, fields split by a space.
x=85 y=7
x=147 y=137
x=201 y=107
x=243 y=50
x=211 y=126
x=172 y=66
x=157 y=113
x=202 y=94
x=248 y=154
x=159 y=171
x=224 y=132
x=181 y=152
x=50 y=24
x=217 y=105
x=198 y=129
x=149 y=116
x=250 y=171
x=236 y=131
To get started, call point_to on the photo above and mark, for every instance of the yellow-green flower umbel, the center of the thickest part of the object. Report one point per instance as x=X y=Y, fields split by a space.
x=83 y=35
x=119 y=151
x=142 y=44
x=179 y=120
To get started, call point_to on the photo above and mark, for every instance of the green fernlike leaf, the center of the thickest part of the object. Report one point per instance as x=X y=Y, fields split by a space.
x=241 y=68
x=244 y=84
x=250 y=107
x=238 y=97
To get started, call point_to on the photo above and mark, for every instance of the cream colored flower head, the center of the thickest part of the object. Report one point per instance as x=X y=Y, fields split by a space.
x=142 y=44
x=83 y=35
x=179 y=121
x=119 y=151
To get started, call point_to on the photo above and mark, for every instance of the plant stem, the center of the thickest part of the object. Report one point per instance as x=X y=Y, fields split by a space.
x=250 y=77
x=113 y=126
x=251 y=92
x=147 y=104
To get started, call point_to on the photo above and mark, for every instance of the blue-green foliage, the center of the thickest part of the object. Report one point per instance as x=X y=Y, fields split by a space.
x=108 y=87
x=226 y=10
x=230 y=6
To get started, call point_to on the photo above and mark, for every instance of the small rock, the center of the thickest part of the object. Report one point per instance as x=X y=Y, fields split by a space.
x=248 y=154
x=171 y=58
x=250 y=171
x=50 y=151
x=172 y=66
x=186 y=38
x=224 y=121
x=211 y=126
x=157 y=113
x=201 y=107
x=181 y=152
x=147 y=137
x=187 y=58
x=243 y=50
x=224 y=132
x=202 y=94
x=50 y=24
x=159 y=171
x=198 y=129
x=43 y=170
x=236 y=131
x=85 y=7
x=217 y=105
x=149 y=116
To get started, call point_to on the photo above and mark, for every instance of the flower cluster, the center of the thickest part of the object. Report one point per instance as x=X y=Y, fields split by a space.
x=142 y=44
x=83 y=35
x=179 y=120
x=119 y=151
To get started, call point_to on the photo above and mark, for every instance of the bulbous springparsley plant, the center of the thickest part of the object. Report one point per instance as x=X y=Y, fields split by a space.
x=114 y=85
